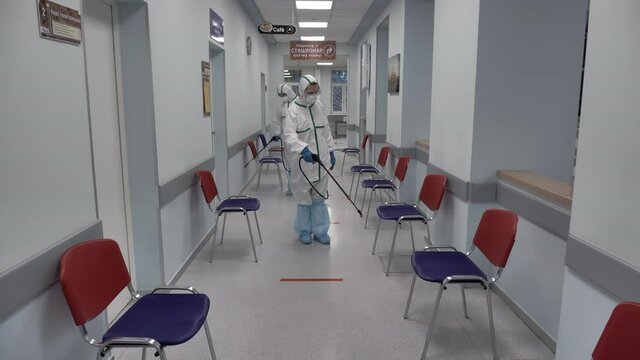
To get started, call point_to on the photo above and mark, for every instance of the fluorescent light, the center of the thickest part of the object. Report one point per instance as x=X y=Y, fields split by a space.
x=314 y=5
x=312 y=38
x=313 y=24
x=325 y=63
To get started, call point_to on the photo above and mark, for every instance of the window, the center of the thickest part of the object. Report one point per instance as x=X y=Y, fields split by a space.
x=339 y=81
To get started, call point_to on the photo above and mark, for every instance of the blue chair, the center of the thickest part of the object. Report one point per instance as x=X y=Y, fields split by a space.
x=93 y=273
x=265 y=160
x=238 y=203
x=431 y=195
x=384 y=184
x=444 y=265
x=369 y=169
x=353 y=151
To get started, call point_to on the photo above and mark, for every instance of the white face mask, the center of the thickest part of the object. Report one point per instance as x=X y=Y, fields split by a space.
x=311 y=98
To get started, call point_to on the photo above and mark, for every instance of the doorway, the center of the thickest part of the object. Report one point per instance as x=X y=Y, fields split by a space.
x=263 y=103
x=219 y=117
x=107 y=131
x=382 y=58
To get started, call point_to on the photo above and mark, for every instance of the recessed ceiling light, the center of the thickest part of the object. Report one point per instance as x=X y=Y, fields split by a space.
x=313 y=24
x=314 y=5
x=312 y=38
x=325 y=63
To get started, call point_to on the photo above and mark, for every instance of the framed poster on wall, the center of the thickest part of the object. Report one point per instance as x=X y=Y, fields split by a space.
x=365 y=66
x=205 y=70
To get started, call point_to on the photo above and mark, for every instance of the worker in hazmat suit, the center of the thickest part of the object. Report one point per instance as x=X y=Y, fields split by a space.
x=288 y=96
x=307 y=132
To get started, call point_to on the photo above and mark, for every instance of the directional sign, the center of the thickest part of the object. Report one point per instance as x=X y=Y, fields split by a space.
x=312 y=50
x=269 y=28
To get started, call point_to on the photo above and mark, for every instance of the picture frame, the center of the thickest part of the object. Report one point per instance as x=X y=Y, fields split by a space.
x=365 y=66
x=394 y=75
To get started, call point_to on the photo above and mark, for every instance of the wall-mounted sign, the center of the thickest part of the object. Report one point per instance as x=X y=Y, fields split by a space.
x=312 y=50
x=269 y=28
x=216 y=28
x=365 y=66
x=205 y=71
x=59 y=22
x=394 y=74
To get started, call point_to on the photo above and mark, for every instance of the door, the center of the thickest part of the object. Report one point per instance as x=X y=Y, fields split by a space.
x=263 y=103
x=219 y=115
x=106 y=134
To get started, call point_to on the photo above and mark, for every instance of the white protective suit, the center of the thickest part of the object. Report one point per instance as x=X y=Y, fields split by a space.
x=278 y=122
x=307 y=125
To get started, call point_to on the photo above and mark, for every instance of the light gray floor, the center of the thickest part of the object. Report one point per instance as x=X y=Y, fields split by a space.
x=255 y=316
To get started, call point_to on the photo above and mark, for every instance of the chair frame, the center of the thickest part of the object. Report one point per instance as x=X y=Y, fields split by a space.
x=353 y=151
x=463 y=281
x=368 y=171
x=265 y=160
x=392 y=186
x=224 y=212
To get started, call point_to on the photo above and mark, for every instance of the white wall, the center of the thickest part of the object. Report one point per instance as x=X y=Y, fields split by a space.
x=455 y=46
x=528 y=86
x=605 y=198
x=46 y=182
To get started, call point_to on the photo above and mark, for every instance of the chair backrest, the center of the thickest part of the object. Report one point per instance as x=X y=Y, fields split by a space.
x=384 y=155
x=401 y=168
x=364 y=141
x=208 y=185
x=92 y=274
x=619 y=339
x=496 y=234
x=263 y=140
x=252 y=147
x=432 y=191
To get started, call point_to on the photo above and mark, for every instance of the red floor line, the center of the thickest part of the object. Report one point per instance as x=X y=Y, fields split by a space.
x=310 y=279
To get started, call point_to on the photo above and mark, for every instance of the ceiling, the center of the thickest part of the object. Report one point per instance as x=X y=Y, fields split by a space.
x=343 y=18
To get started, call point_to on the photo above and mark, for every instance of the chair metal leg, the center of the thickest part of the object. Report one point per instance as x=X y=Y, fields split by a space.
x=364 y=197
x=432 y=323
x=413 y=243
x=493 y=332
x=255 y=213
x=353 y=176
x=279 y=176
x=267 y=170
x=344 y=157
x=224 y=223
x=375 y=240
x=464 y=301
x=357 y=187
x=253 y=245
x=259 y=175
x=213 y=241
x=208 y=332
x=144 y=353
x=366 y=219
x=429 y=242
x=161 y=354
x=406 y=308
x=393 y=245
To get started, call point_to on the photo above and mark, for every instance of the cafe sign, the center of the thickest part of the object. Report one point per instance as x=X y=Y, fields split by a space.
x=312 y=50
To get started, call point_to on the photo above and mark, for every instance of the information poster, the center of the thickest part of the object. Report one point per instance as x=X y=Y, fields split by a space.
x=205 y=70
x=59 y=22
x=312 y=50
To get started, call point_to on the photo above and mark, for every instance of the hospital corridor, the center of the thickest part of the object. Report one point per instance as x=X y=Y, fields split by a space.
x=330 y=180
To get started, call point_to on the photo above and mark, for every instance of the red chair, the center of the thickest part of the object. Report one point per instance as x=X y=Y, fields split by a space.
x=369 y=169
x=93 y=273
x=265 y=160
x=353 y=151
x=238 y=203
x=619 y=339
x=444 y=265
x=382 y=183
x=431 y=196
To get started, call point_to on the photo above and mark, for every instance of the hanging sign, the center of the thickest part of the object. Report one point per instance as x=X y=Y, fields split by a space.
x=59 y=22
x=216 y=28
x=205 y=70
x=312 y=50
x=269 y=28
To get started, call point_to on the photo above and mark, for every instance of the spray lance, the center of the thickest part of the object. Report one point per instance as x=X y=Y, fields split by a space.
x=316 y=158
x=258 y=153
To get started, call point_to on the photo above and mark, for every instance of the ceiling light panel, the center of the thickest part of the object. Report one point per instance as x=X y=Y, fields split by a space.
x=313 y=24
x=312 y=38
x=314 y=5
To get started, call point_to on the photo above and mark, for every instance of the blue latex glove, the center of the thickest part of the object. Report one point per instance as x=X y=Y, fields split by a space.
x=333 y=160
x=275 y=138
x=306 y=155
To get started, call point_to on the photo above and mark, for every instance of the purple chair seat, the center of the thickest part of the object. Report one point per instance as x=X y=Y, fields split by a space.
x=270 y=160
x=351 y=150
x=249 y=204
x=171 y=319
x=364 y=168
x=395 y=212
x=435 y=266
x=378 y=183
